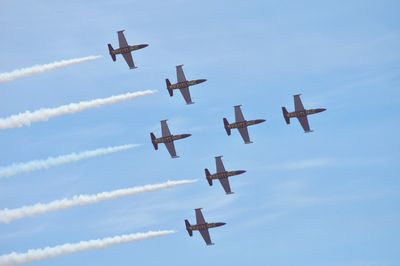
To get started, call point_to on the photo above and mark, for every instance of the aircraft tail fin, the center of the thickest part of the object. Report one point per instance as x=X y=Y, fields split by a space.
x=208 y=177
x=227 y=128
x=285 y=115
x=170 y=91
x=190 y=232
x=154 y=141
x=111 y=50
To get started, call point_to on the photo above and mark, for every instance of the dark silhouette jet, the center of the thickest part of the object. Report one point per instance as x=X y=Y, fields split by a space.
x=222 y=175
x=167 y=138
x=125 y=49
x=182 y=85
x=241 y=124
x=202 y=226
x=301 y=113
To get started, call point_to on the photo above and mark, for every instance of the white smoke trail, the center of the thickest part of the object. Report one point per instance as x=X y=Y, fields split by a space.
x=18 y=168
x=26 y=118
x=9 y=215
x=15 y=258
x=25 y=72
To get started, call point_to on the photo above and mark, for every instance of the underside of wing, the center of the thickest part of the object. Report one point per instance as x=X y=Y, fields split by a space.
x=225 y=184
x=171 y=149
x=180 y=76
x=304 y=123
x=129 y=60
x=186 y=95
x=165 y=129
x=219 y=164
x=199 y=217
x=206 y=236
x=121 y=39
x=245 y=134
x=298 y=105
x=238 y=114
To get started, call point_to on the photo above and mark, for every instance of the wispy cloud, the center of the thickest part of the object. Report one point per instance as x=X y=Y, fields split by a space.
x=9 y=215
x=27 y=118
x=137 y=215
x=25 y=72
x=301 y=164
x=31 y=255
x=295 y=194
x=18 y=168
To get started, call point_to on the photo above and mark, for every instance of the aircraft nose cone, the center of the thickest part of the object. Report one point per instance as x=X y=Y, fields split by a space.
x=258 y=121
x=202 y=80
x=221 y=224
x=186 y=135
x=241 y=172
x=321 y=110
x=144 y=45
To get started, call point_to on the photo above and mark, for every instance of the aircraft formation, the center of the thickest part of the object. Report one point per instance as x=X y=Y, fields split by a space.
x=241 y=124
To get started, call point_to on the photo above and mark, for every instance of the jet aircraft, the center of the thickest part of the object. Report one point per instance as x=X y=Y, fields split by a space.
x=241 y=124
x=222 y=175
x=202 y=226
x=167 y=138
x=182 y=85
x=301 y=113
x=125 y=49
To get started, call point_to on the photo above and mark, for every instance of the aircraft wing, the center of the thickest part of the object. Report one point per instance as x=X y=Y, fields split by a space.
x=165 y=129
x=245 y=134
x=304 y=123
x=186 y=95
x=219 y=164
x=171 y=149
x=225 y=185
x=121 y=39
x=199 y=217
x=180 y=76
x=129 y=60
x=298 y=105
x=206 y=236
x=238 y=114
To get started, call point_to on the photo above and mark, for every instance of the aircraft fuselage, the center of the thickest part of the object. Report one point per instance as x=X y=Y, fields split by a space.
x=172 y=138
x=185 y=84
x=226 y=174
x=198 y=227
x=246 y=123
x=128 y=49
x=304 y=113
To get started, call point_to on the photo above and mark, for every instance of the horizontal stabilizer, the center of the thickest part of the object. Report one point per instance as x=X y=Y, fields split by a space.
x=111 y=50
x=209 y=180
x=226 y=125
x=154 y=141
x=190 y=232
x=285 y=115
x=170 y=91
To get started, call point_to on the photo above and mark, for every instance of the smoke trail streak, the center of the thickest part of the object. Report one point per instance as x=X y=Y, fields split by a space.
x=18 y=168
x=29 y=71
x=15 y=258
x=9 y=215
x=26 y=118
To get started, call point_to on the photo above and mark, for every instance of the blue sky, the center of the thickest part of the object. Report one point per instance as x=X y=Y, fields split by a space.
x=326 y=198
